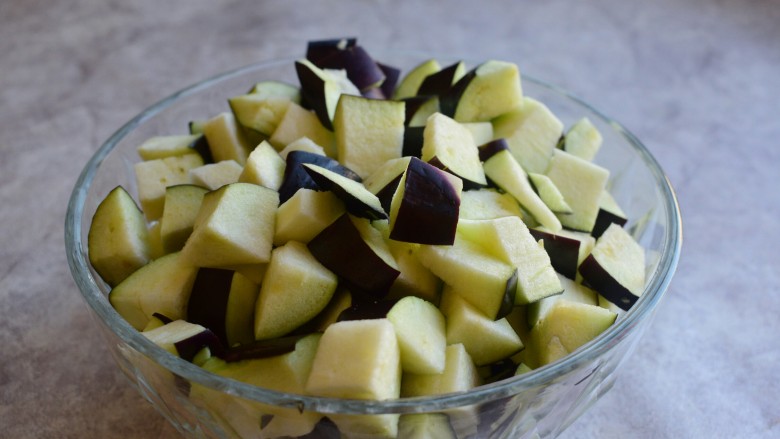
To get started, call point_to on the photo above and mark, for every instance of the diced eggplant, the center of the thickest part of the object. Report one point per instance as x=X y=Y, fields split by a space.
x=357 y=199
x=316 y=50
x=189 y=347
x=361 y=68
x=296 y=176
x=448 y=145
x=208 y=301
x=425 y=206
x=318 y=91
x=564 y=251
x=440 y=83
x=616 y=267
x=348 y=248
x=609 y=212
x=392 y=74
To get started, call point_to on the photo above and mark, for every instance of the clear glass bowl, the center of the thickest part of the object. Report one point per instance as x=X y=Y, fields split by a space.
x=541 y=403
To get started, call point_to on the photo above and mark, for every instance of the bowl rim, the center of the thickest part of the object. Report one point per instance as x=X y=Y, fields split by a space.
x=92 y=294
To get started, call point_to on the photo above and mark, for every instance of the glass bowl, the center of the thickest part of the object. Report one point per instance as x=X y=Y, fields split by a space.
x=541 y=403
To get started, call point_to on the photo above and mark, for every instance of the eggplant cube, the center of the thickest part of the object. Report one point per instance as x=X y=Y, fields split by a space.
x=368 y=132
x=452 y=145
x=486 y=340
x=161 y=286
x=420 y=329
x=509 y=239
x=460 y=374
x=226 y=139
x=582 y=184
x=294 y=290
x=491 y=89
x=357 y=253
x=154 y=176
x=118 y=237
x=425 y=205
x=532 y=132
x=234 y=226
x=483 y=277
x=616 y=267
x=566 y=327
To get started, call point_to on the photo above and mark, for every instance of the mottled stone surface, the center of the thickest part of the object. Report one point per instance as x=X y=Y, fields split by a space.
x=697 y=80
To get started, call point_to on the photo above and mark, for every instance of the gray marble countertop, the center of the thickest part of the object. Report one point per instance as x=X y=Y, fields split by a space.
x=698 y=81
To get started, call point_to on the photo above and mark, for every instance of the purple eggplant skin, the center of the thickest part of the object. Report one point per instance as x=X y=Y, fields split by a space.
x=597 y=278
x=316 y=50
x=262 y=348
x=604 y=219
x=413 y=141
x=352 y=203
x=367 y=309
x=361 y=68
x=563 y=251
x=508 y=301
x=341 y=249
x=491 y=148
x=413 y=104
x=201 y=146
x=323 y=429
x=163 y=318
x=313 y=93
x=296 y=177
x=207 y=305
x=190 y=346
x=439 y=83
x=467 y=184
x=429 y=209
x=392 y=75
x=385 y=194
x=449 y=101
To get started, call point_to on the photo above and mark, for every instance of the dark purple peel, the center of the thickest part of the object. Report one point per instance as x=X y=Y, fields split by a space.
x=441 y=82
x=467 y=184
x=604 y=219
x=563 y=251
x=450 y=100
x=352 y=202
x=385 y=194
x=207 y=305
x=367 y=309
x=413 y=104
x=324 y=429
x=296 y=177
x=201 y=146
x=189 y=347
x=361 y=68
x=413 y=141
x=596 y=277
x=313 y=93
x=341 y=249
x=429 y=206
x=491 y=148
x=262 y=348
x=500 y=370
x=316 y=50
x=392 y=74
x=508 y=301
x=162 y=318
